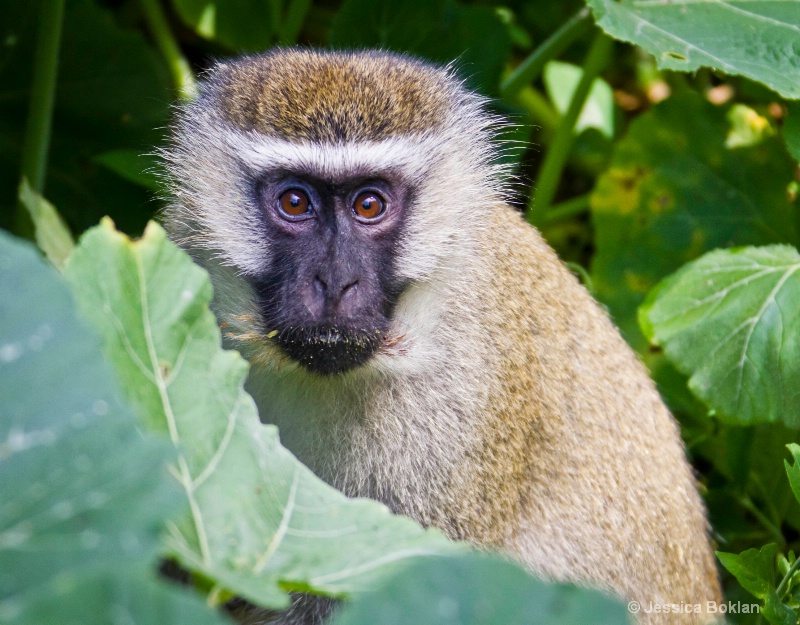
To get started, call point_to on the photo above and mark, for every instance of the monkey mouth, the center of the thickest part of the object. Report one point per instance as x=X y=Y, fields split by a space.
x=327 y=349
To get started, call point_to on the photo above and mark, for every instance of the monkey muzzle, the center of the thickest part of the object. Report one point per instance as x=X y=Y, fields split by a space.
x=327 y=349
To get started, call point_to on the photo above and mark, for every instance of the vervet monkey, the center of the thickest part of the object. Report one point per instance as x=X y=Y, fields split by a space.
x=414 y=339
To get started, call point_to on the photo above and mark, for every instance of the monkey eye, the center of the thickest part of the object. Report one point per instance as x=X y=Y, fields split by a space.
x=294 y=203
x=368 y=206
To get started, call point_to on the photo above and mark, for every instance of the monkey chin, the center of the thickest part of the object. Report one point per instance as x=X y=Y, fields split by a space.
x=327 y=349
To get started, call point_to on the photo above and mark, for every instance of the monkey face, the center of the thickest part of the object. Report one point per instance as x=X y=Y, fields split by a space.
x=324 y=192
x=327 y=295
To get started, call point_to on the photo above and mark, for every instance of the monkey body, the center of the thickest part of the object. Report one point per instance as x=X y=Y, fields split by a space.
x=437 y=357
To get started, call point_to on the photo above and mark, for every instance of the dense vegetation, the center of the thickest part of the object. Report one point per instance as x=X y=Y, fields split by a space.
x=662 y=140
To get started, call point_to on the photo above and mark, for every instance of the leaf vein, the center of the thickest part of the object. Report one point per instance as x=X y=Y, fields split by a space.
x=186 y=477
x=280 y=533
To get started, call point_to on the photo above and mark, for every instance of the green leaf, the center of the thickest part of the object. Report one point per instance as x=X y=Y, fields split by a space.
x=475 y=589
x=561 y=79
x=134 y=594
x=747 y=127
x=754 y=569
x=674 y=191
x=52 y=234
x=141 y=169
x=752 y=38
x=776 y=612
x=793 y=470
x=791 y=130
x=260 y=522
x=84 y=494
x=731 y=320
x=248 y=25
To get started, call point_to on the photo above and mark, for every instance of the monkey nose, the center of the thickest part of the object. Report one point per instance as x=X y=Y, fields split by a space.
x=332 y=291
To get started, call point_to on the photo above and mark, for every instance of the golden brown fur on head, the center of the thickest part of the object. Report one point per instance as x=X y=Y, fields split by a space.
x=333 y=97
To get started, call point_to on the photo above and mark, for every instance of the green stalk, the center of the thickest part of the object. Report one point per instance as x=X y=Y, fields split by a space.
x=558 y=152
x=768 y=525
x=565 y=210
x=540 y=110
x=36 y=143
x=531 y=67
x=782 y=587
x=182 y=76
x=582 y=274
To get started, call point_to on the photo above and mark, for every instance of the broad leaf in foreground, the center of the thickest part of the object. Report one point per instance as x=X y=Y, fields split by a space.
x=474 y=589
x=753 y=38
x=261 y=523
x=83 y=495
x=731 y=320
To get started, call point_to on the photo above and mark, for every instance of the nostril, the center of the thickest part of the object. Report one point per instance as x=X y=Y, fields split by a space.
x=347 y=297
x=348 y=287
x=320 y=286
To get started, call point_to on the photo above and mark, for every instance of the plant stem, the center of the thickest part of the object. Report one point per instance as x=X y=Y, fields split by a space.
x=582 y=274
x=531 y=67
x=787 y=578
x=182 y=76
x=556 y=157
x=539 y=109
x=567 y=209
x=768 y=525
x=36 y=143
x=295 y=16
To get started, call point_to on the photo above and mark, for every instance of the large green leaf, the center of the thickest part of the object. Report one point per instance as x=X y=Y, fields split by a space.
x=132 y=595
x=475 y=589
x=674 y=191
x=84 y=494
x=753 y=38
x=260 y=522
x=731 y=320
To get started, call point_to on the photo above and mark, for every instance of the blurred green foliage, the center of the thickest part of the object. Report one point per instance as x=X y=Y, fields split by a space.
x=670 y=166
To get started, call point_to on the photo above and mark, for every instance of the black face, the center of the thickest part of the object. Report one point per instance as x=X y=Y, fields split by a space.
x=329 y=293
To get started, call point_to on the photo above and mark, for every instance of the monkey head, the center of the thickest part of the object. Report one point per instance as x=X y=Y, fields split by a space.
x=319 y=189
